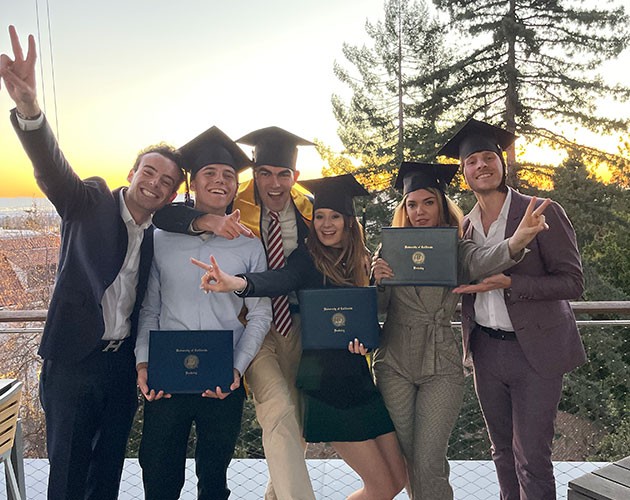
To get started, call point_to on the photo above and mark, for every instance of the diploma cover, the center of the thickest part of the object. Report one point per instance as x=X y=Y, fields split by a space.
x=421 y=255
x=332 y=317
x=184 y=361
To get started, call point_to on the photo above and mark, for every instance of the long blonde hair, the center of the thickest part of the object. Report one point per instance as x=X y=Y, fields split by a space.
x=345 y=266
x=452 y=219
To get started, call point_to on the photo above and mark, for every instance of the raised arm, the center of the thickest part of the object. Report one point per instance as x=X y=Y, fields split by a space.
x=560 y=276
x=477 y=261
x=53 y=173
x=554 y=271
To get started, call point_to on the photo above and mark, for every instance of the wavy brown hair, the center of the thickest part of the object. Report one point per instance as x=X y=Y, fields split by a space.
x=345 y=266
x=453 y=218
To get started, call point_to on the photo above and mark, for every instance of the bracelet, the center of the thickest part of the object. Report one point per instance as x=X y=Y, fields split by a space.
x=24 y=117
x=243 y=290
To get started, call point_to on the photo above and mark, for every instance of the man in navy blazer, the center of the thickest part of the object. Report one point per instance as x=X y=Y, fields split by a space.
x=87 y=385
x=518 y=327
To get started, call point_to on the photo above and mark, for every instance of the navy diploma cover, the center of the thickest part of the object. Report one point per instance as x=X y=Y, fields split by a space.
x=332 y=317
x=184 y=361
x=420 y=255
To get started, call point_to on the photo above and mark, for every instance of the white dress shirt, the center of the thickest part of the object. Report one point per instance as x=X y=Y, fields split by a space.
x=490 y=308
x=120 y=296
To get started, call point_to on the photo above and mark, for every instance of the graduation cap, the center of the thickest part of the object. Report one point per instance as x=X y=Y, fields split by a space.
x=335 y=193
x=274 y=146
x=213 y=147
x=413 y=176
x=477 y=136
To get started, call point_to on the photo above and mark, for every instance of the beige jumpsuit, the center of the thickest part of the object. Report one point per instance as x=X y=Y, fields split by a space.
x=418 y=368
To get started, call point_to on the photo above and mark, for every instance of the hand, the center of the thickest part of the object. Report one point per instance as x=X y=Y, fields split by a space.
x=532 y=223
x=226 y=226
x=218 y=393
x=216 y=280
x=496 y=282
x=381 y=269
x=356 y=347
x=19 y=75
x=150 y=395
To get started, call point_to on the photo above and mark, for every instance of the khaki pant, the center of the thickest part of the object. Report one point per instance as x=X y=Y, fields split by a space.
x=271 y=378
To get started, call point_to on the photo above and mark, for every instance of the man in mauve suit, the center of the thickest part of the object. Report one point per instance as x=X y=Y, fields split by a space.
x=518 y=327
x=88 y=380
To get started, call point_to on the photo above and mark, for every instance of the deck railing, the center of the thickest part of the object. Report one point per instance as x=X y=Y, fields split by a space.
x=593 y=418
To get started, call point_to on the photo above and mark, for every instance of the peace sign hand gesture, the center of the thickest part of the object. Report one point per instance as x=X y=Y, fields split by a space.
x=532 y=223
x=215 y=280
x=19 y=75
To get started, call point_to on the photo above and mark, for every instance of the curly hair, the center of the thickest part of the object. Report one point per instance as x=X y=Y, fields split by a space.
x=168 y=152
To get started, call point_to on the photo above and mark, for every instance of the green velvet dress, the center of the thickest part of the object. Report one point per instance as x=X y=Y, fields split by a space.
x=341 y=402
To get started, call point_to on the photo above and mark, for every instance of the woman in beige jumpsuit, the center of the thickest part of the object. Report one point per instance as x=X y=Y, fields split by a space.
x=418 y=366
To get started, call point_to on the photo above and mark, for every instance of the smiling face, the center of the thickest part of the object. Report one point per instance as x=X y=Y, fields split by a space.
x=423 y=208
x=329 y=227
x=152 y=185
x=274 y=185
x=483 y=171
x=215 y=188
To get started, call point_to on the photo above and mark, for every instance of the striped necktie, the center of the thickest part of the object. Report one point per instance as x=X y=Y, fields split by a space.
x=275 y=259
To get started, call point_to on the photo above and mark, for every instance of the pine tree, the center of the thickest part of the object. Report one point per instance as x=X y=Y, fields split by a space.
x=531 y=65
x=389 y=118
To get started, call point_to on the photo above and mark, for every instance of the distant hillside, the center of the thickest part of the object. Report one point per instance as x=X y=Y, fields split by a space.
x=11 y=206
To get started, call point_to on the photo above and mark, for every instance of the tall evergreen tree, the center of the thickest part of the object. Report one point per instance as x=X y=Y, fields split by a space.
x=531 y=65
x=387 y=119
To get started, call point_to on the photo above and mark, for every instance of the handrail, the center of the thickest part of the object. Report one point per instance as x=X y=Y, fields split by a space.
x=601 y=307
x=579 y=307
x=26 y=315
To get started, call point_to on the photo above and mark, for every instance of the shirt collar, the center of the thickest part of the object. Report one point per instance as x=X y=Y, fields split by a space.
x=282 y=213
x=475 y=214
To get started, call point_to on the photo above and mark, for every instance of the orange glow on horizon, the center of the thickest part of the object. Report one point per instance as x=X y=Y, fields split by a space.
x=18 y=180
x=17 y=174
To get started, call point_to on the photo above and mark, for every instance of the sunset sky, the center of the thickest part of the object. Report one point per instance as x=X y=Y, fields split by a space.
x=129 y=73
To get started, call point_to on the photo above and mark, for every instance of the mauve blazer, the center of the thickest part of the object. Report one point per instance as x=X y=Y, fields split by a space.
x=93 y=249
x=537 y=302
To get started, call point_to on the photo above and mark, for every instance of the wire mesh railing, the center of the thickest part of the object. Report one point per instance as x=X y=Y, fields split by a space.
x=593 y=423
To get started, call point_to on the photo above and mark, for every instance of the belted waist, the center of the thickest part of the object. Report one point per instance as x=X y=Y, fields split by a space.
x=497 y=334
x=113 y=345
x=414 y=319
